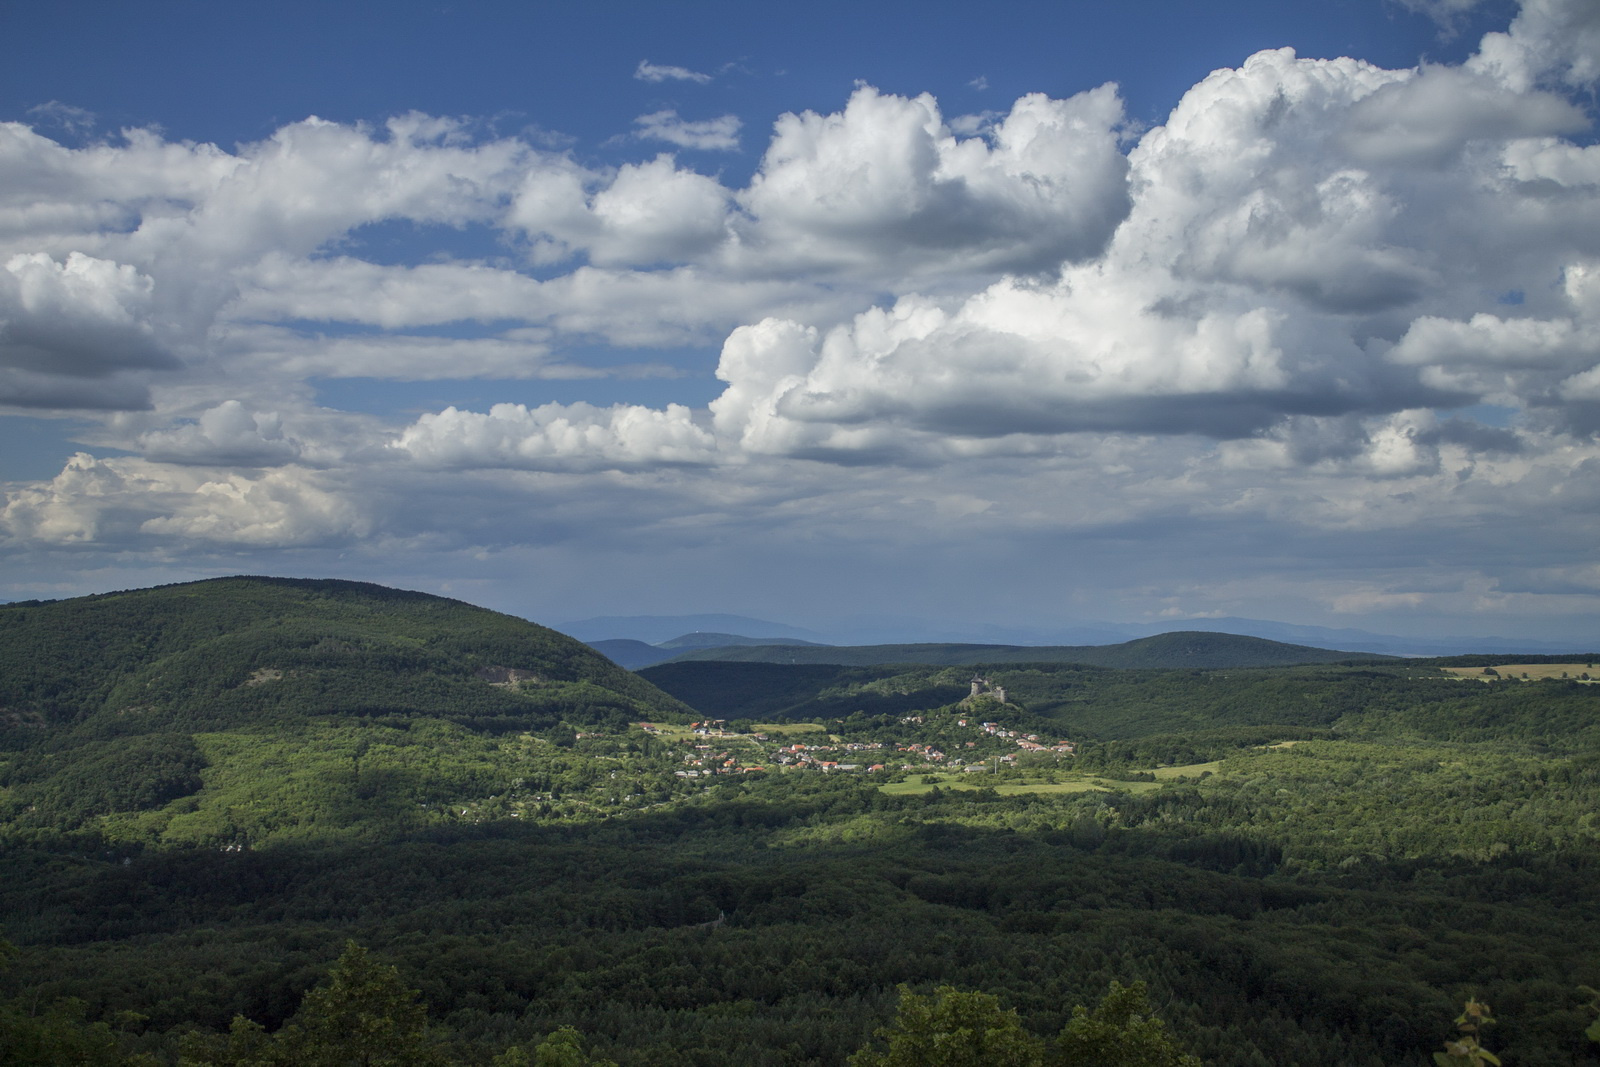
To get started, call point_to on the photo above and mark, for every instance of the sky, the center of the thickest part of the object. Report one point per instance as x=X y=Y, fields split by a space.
x=912 y=316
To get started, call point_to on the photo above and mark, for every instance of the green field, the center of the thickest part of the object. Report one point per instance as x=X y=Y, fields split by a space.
x=789 y=729
x=1572 y=671
x=917 y=787
x=1076 y=784
x=1192 y=770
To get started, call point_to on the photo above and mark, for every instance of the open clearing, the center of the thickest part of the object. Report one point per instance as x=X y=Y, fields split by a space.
x=1533 y=672
x=917 y=786
x=1084 y=784
x=670 y=731
x=1188 y=770
x=786 y=729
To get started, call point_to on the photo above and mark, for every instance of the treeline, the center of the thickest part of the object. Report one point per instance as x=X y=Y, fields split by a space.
x=363 y=1013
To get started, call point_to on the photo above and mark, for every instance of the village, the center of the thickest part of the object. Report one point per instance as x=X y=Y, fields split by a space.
x=950 y=739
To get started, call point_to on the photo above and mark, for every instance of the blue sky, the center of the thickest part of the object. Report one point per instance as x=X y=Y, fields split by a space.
x=1050 y=313
x=235 y=72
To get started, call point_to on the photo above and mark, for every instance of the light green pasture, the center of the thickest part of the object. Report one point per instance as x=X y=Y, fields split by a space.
x=1084 y=784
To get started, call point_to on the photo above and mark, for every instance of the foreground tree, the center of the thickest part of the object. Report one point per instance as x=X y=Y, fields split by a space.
x=953 y=1029
x=1464 y=1050
x=563 y=1048
x=362 y=1015
x=1121 y=1032
x=59 y=1034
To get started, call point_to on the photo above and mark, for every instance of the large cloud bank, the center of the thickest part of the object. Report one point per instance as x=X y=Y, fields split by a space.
x=1322 y=294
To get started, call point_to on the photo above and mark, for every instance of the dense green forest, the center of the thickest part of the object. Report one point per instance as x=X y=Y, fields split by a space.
x=236 y=815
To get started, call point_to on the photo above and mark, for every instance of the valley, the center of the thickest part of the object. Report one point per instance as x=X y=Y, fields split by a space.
x=207 y=792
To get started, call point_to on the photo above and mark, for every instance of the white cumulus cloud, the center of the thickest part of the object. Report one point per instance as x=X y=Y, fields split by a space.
x=559 y=437
x=68 y=326
x=136 y=501
x=228 y=434
x=885 y=185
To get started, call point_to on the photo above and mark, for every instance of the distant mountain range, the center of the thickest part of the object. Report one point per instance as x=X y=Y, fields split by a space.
x=659 y=631
x=656 y=629
x=1367 y=641
x=635 y=655
x=1197 y=649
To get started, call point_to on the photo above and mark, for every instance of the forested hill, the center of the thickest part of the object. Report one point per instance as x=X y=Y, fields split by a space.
x=233 y=651
x=1196 y=649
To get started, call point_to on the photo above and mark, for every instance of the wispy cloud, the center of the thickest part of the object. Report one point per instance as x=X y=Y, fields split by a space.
x=62 y=116
x=653 y=72
x=716 y=135
x=1446 y=14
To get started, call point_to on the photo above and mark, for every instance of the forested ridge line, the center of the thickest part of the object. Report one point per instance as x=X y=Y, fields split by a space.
x=1201 y=649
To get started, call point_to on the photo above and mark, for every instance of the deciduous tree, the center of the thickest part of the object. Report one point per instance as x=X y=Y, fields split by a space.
x=1121 y=1032
x=953 y=1029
